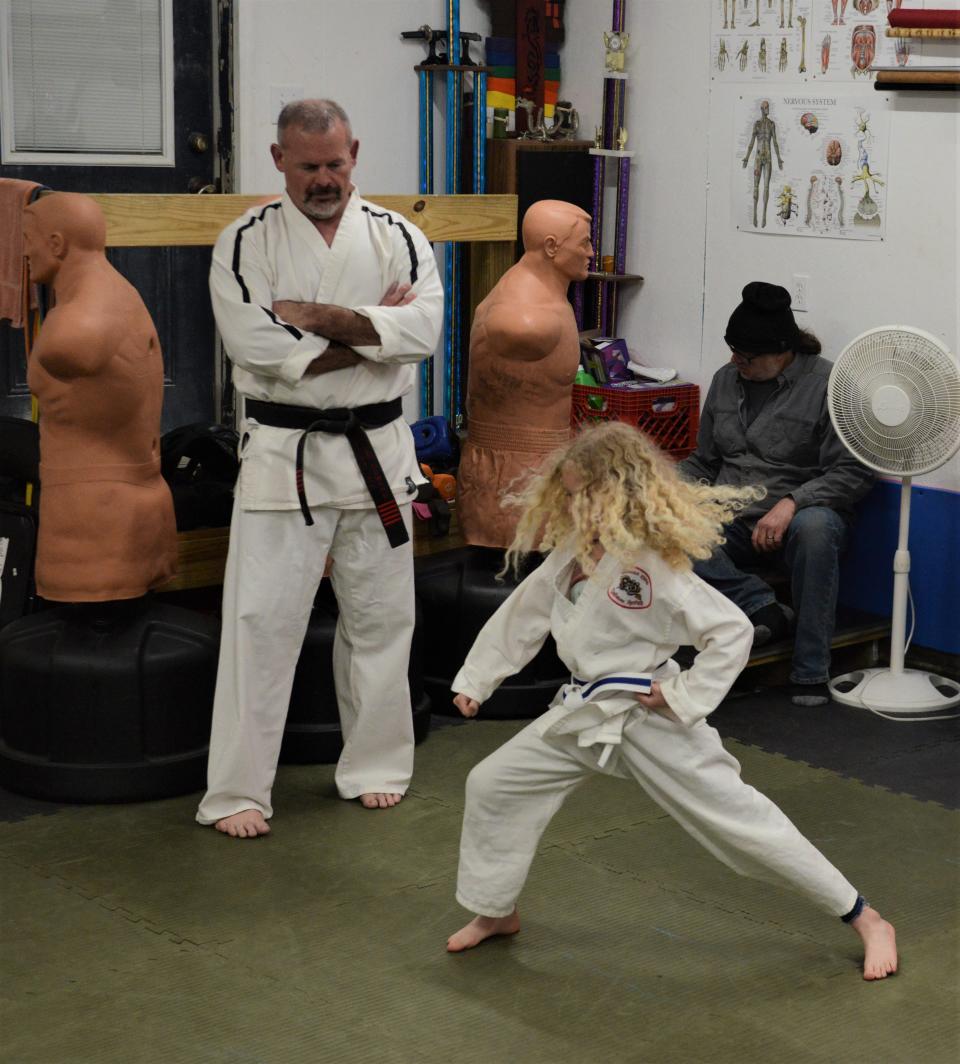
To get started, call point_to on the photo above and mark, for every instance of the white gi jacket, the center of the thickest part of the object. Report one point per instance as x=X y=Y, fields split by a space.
x=626 y=619
x=274 y=252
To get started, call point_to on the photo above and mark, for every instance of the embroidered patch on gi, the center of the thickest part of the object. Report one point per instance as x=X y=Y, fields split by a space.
x=633 y=591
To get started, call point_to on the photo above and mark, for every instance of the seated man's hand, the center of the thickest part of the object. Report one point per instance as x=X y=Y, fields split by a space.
x=467 y=705
x=769 y=531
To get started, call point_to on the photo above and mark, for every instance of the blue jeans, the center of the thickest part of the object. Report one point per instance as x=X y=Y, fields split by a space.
x=811 y=554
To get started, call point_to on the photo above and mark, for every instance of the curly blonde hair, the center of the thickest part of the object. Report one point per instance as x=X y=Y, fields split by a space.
x=631 y=499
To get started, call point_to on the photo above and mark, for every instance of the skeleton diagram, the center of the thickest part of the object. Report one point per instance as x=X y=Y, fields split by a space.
x=790 y=16
x=731 y=23
x=756 y=21
x=803 y=44
x=762 y=57
x=782 y=64
x=743 y=55
x=764 y=133
x=825 y=204
x=722 y=55
x=786 y=204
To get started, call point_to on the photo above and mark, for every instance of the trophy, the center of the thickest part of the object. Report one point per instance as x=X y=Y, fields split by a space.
x=615 y=43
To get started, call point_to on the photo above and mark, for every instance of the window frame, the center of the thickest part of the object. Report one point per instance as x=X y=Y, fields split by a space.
x=11 y=156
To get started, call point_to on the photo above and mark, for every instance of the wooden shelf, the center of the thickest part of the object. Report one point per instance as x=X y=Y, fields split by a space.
x=600 y=275
x=922 y=31
x=202 y=553
x=502 y=164
x=930 y=80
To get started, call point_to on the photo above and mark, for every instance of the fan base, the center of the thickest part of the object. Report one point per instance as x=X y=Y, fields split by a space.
x=909 y=691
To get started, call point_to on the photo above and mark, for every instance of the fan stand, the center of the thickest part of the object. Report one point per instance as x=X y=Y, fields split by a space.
x=897 y=690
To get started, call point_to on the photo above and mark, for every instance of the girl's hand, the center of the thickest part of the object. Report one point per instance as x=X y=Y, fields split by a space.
x=467 y=706
x=658 y=703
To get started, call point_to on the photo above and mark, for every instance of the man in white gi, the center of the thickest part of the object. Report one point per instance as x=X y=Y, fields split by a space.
x=325 y=303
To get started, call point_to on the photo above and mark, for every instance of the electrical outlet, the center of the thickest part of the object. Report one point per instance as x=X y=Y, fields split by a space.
x=801 y=292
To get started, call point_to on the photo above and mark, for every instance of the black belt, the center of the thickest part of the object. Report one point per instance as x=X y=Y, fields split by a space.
x=349 y=422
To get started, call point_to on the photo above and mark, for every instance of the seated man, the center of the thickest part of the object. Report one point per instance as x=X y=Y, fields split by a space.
x=765 y=421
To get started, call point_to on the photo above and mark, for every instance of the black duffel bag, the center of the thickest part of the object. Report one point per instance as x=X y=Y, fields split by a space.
x=200 y=464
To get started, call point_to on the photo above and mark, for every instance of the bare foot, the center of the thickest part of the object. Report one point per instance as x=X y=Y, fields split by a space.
x=483 y=927
x=879 y=944
x=375 y=800
x=247 y=824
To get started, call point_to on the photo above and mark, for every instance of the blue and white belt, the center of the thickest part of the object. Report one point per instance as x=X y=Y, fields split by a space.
x=579 y=692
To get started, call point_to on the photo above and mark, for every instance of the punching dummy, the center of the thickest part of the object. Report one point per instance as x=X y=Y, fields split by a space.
x=524 y=354
x=107 y=528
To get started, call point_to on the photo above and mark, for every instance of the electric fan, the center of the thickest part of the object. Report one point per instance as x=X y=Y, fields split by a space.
x=894 y=400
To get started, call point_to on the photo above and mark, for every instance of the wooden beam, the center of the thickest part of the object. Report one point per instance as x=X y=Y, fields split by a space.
x=202 y=553
x=162 y=220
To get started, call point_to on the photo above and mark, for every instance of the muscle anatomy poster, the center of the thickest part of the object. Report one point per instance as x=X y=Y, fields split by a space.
x=810 y=40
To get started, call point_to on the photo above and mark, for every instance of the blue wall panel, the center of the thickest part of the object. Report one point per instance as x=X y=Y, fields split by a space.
x=867 y=571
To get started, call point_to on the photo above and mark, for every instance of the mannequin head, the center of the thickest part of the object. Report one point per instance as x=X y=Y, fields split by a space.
x=559 y=231
x=57 y=225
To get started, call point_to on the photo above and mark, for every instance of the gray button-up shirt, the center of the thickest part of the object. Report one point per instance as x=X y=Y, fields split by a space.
x=790 y=448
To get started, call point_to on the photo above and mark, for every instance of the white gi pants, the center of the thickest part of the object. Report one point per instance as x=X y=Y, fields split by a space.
x=274 y=566
x=513 y=794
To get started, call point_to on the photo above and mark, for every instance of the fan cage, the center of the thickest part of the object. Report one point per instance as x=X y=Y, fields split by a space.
x=920 y=367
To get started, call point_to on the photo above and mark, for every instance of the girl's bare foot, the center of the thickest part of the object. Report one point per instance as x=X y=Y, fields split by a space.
x=247 y=824
x=483 y=927
x=879 y=944
x=376 y=800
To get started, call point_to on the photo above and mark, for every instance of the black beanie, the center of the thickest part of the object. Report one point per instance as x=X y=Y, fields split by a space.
x=764 y=322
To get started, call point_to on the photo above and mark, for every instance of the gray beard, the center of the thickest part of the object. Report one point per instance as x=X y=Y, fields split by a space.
x=322 y=211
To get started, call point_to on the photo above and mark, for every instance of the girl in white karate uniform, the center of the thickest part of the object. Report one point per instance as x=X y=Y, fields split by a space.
x=617 y=593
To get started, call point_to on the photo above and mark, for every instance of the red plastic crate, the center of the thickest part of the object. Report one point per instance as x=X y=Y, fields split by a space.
x=669 y=416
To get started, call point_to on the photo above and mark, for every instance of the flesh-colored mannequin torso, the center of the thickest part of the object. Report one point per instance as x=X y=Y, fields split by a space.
x=107 y=528
x=524 y=354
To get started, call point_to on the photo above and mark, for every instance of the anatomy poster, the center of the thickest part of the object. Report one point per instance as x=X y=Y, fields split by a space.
x=851 y=37
x=810 y=40
x=811 y=163
x=761 y=40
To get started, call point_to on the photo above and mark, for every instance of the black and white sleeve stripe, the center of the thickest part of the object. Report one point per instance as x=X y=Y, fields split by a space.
x=238 y=276
x=411 y=249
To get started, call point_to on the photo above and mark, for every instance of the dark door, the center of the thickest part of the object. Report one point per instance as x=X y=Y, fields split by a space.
x=172 y=281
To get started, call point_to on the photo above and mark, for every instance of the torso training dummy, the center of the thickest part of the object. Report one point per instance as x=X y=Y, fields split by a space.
x=107 y=528
x=524 y=353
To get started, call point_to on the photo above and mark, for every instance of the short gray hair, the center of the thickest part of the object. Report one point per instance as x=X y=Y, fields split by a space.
x=312 y=116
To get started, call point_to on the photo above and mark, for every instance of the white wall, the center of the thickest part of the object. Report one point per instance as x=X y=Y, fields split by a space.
x=683 y=238
x=350 y=51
